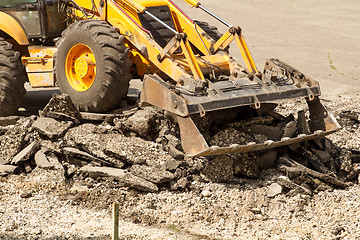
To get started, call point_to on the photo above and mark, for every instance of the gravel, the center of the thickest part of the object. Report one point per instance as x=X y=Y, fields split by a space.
x=45 y=205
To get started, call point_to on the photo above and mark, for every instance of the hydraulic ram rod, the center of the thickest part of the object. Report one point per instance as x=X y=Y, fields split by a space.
x=197 y=4
x=162 y=23
x=214 y=16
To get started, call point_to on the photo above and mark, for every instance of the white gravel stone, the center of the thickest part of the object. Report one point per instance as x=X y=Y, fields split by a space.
x=274 y=189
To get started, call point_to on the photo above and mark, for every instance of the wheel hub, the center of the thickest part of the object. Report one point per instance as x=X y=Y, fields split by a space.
x=84 y=66
x=80 y=67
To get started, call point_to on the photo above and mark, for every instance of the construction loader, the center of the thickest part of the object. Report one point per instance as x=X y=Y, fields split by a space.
x=92 y=48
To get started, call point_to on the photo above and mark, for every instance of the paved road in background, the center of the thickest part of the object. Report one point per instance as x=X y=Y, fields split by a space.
x=313 y=36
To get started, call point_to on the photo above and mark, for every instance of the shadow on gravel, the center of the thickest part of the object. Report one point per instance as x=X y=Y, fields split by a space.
x=35 y=100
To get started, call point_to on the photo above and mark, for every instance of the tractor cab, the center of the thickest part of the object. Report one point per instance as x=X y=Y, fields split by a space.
x=39 y=19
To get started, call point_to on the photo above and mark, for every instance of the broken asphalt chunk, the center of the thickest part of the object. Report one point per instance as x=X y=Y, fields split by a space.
x=26 y=153
x=324 y=156
x=61 y=117
x=122 y=176
x=93 y=142
x=272 y=133
x=115 y=152
x=74 y=152
x=11 y=143
x=52 y=128
x=302 y=125
x=41 y=161
x=355 y=155
x=10 y=120
x=62 y=104
x=98 y=117
x=152 y=174
x=290 y=129
x=267 y=159
x=76 y=161
x=134 y=150
x=6 y=169
x=286 y=182
x=171 y=164
x=354 y=173
x=49 y=146
x=142 y=121
x=292 y=167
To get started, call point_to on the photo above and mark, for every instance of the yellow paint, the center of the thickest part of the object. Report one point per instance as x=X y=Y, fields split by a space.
x=145 y=67
x=124 y=15
x=42 y=51
x=81 y=64
x=80 y=67
x=39 y=66
x=138 y=7
x=193 y=3
x=225 y=40
x=150 y=3
x=204 y=65
x=244 y=50
x=10 y=26
x=42 y=79
x=140 y=40
x=190 y=57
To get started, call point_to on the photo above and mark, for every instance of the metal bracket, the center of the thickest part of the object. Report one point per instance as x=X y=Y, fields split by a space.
x=103 y=9
x=158 y=93
x=192 y=140
x=194 y=85
x=311 y=95
x=202 y=111
x=228 y=37
x=170 y=48
x=215 y=92
x=257 y=103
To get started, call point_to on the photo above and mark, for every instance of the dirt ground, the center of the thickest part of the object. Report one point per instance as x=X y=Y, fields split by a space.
x=321 y=39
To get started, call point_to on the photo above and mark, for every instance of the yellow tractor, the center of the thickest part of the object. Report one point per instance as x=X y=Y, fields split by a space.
x=92 y=48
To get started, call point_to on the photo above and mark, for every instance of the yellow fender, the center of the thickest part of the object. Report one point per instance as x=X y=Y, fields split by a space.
x=10 y=26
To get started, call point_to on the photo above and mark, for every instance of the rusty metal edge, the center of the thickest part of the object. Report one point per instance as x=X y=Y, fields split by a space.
x=235 y=148
x=252 y=147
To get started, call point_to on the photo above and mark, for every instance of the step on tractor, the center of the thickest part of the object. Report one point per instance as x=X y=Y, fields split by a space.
x=92 y=48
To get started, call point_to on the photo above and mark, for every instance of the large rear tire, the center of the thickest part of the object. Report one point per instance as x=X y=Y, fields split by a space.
x=212 y=31
x=12 y=79
x=92 y=65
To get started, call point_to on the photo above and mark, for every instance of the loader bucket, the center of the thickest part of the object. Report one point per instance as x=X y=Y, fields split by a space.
x=236 y=97
x=322 y=123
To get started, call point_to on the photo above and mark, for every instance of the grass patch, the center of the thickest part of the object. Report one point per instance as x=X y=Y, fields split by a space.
x=173 y=227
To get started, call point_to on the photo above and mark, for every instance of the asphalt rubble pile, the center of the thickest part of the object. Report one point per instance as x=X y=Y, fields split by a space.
x=140 y=148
